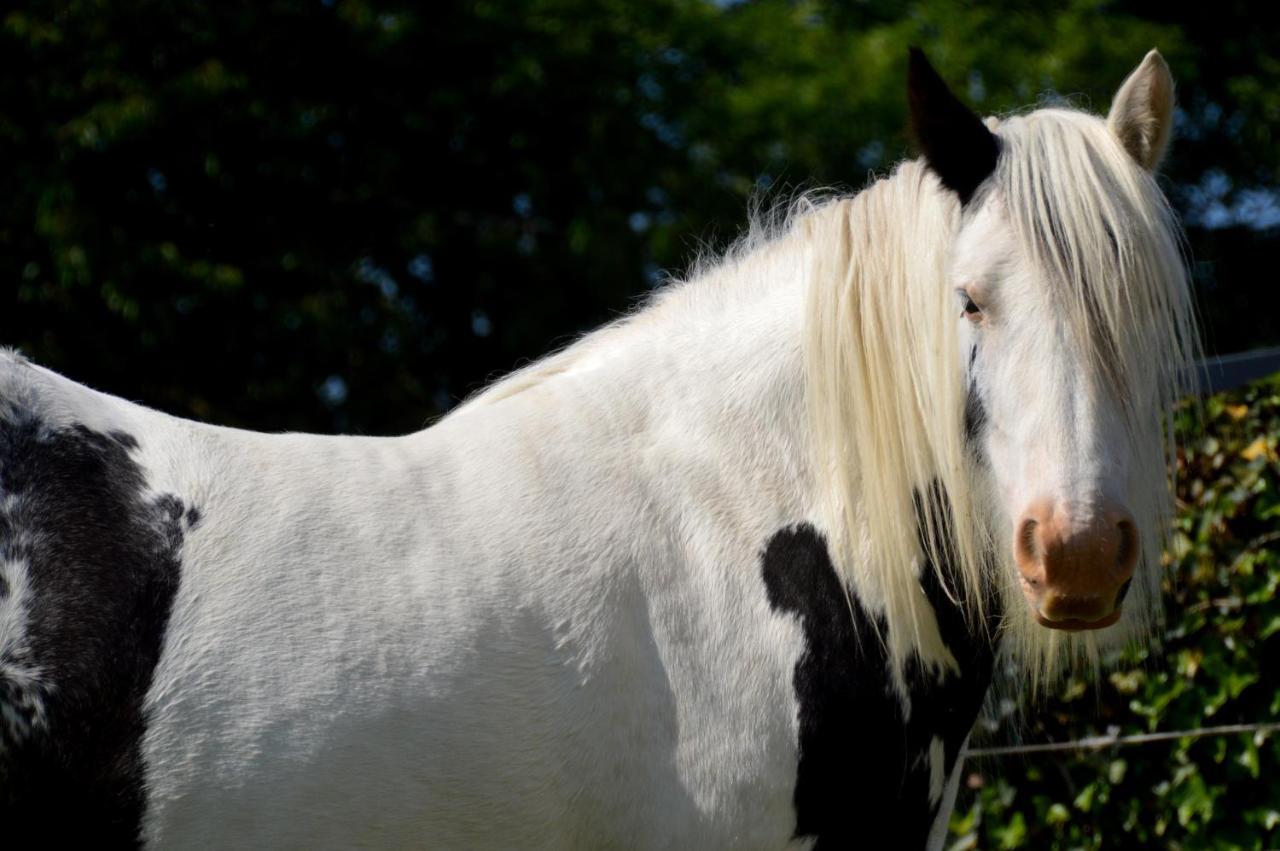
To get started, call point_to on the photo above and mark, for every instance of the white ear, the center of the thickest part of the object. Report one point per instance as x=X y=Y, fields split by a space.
x=1142 y=113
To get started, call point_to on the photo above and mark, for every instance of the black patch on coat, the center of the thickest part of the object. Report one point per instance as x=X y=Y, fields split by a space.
x=975 y=413
x=959 y=699
x=103 y=561
x=863 y=774
x=956 y=144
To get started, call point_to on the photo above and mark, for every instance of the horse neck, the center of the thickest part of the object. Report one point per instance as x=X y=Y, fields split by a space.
x=702 y=389
x=724 y=354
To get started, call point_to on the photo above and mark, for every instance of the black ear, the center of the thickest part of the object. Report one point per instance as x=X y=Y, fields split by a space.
x=956 y=144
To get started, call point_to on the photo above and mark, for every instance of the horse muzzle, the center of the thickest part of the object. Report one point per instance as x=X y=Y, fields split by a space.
x=1075 y=574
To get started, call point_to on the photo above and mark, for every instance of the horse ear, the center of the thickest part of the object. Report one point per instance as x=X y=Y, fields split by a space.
x=957 y=146
x=1142 y=113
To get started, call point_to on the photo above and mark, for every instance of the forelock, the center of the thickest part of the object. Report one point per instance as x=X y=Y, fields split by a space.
x=1101 y=234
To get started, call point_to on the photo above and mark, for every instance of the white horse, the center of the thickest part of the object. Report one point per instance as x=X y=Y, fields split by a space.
x=732 y=572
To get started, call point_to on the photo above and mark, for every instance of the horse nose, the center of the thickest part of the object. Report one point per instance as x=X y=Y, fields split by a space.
x=1075 y=574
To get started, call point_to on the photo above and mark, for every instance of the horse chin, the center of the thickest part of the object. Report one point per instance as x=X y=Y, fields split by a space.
x=1077 y=624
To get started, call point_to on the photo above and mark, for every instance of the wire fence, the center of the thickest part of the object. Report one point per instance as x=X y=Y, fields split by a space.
x=1096 y=743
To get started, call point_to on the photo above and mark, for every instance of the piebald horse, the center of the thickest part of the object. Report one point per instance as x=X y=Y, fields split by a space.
x=734 y=571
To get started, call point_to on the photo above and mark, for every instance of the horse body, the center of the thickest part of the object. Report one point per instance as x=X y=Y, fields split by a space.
x=529 y=648
x=470 y=634
x=674 y=586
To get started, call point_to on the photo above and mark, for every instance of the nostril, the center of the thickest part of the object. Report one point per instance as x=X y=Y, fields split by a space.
x=1028 y=550
x=1123 y=592
x=1127 y=555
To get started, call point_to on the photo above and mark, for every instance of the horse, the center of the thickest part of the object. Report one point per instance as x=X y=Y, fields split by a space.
x=736 y=570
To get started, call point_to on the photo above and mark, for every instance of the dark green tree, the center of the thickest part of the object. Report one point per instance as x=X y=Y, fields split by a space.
x=350 y=214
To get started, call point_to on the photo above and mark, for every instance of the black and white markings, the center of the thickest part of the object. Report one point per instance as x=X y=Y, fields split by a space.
x=864 y=773
x=99 y=559
x=975 y=412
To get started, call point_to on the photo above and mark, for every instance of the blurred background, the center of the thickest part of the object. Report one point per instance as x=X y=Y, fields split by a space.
x=346 y=215
x=349 y=214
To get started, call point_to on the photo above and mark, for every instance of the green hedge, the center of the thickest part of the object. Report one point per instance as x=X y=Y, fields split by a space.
x=1218 y=663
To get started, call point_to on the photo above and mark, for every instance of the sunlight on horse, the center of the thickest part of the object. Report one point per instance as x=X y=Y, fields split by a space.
x=735 y=571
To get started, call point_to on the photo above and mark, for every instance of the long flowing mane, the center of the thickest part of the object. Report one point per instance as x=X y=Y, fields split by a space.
x=886 y=388
x=898 y=486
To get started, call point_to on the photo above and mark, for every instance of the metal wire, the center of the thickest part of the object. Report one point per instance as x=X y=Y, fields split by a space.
x=1094 y=743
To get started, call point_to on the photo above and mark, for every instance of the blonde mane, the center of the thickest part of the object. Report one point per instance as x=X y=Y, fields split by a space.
x=886 y=389
x=898 y=485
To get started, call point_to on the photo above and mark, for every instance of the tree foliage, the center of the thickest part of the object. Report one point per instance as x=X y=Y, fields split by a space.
x=348 y=214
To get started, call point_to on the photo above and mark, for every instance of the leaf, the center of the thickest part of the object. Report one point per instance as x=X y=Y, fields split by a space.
x=1257 y=449
x=1014 y=834
x=1084 y=801
x=1249 y=759
x=1057 y=814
